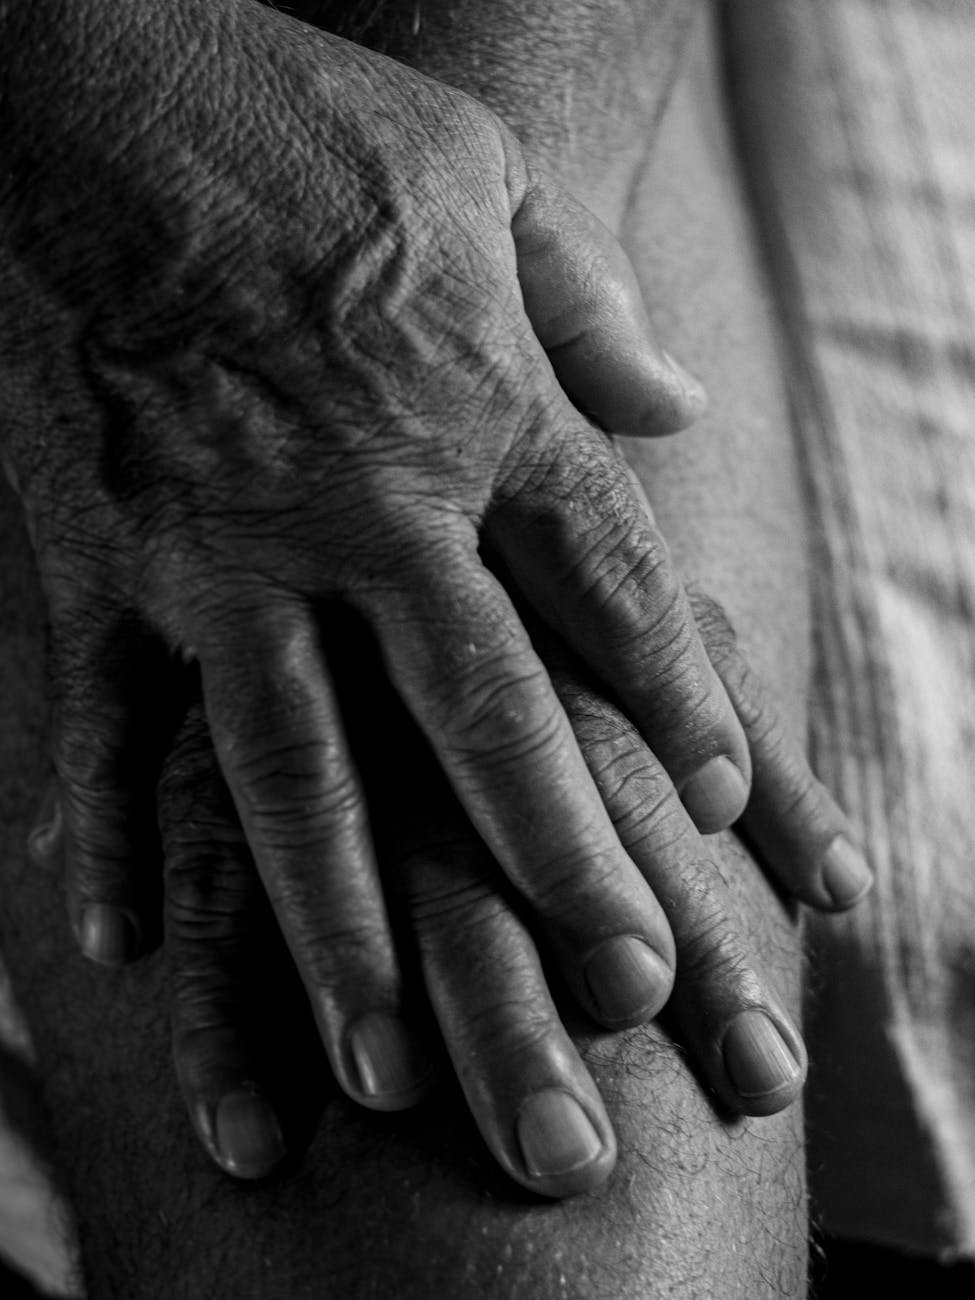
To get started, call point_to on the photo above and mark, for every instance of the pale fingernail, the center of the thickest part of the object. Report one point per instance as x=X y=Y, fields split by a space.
x=389 y=1060
x=695 y=393
x=716 y=795
x=757 y=1058
x=555 y=1134
x=846 y=876
x=248 y=1133
x=107 y=935
x=628 y=980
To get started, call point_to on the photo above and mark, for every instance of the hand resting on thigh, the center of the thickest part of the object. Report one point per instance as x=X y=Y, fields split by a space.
x=487 y=964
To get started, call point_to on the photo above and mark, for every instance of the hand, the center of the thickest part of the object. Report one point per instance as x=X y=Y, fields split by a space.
x=537 y=1106
x=285 y=324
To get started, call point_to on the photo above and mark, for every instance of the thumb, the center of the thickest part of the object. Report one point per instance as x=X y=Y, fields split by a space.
x=584 y=302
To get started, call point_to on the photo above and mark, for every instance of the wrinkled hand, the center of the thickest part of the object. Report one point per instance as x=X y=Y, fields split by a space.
x=283 y=323
x=247 y=1070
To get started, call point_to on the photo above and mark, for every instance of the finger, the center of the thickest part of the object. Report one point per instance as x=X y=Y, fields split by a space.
x=464 y=666
x=281 y=744
x=115 y=699
x=220 y=949
x=528 y=1091
x=532 y=1098
x=727 y=1012
x=584 y=302
x=803 y=836
x=589 y=559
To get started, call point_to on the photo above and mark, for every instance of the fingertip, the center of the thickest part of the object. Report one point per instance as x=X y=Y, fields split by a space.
x=692 y=395
x=564 y=1151
x=248 y=1141
x=108 y=935
x=658 y=397
x=765 y=1062
x=715 y=795
x=628 y=981
x=846 y=877
x=389 y=1068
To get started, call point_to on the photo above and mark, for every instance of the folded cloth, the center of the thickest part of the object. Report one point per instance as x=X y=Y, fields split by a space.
x=35 y=1226
x=857 y=123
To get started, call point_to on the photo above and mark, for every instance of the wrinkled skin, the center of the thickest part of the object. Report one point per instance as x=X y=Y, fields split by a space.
x=243 y=1053
x=319 y=345
x=505 y=1025
x=266 y=349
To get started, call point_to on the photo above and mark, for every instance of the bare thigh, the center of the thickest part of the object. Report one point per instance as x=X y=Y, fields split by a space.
x=392 y=1208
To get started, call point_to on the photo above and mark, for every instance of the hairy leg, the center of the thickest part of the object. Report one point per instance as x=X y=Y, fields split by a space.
x=412 y=1206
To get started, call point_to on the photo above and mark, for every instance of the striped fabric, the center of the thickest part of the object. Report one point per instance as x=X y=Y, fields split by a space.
x=857 y=121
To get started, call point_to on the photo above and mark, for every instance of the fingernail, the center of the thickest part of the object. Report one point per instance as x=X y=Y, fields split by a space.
x=756 y=1056
x=627 y=979
x=107 y=935
x=695 y=393
x=846 y=876
x=555 y=1134
x=388 y=1058
x=248 y=1134
x=716 y=795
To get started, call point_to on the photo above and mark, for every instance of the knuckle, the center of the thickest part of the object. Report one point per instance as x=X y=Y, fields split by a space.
x=508 y=1027
x=99 y=845
x=206 y=895
x=597 y=724
x=806 y=815
x=628 y=582
x=206 y=988
x=206 y=1039
x=670 y=631
x=295 y=788
x=619 y=769
x=713 y=623
x=721 y=645
x=783 y=777
x=504 y=715
x=711 y=955
x=335 y=939
x=90 y=764
x=709 y=949
x=576 y=689
x=637 y=792
x=802 y=799
x=440 y=903
x=576 y=883
x=191 y=761
x=757 y=715
x=194 y=808
x=543 y=474
x=343 y=958
x=644 y=805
